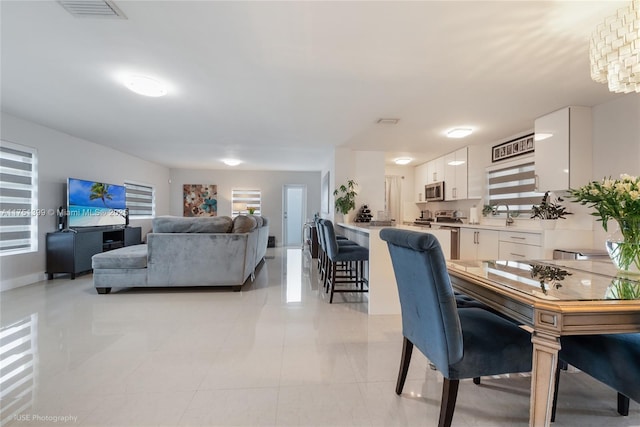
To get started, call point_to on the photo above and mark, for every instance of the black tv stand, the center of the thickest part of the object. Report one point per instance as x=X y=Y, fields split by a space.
x=71 y=252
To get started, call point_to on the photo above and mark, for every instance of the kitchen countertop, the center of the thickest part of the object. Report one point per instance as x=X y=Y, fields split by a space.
x=364 y=227
x=528 y=226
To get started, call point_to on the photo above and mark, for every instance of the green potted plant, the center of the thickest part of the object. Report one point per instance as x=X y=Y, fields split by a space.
x=345 y=197
x=548 y=210
x=487 y=210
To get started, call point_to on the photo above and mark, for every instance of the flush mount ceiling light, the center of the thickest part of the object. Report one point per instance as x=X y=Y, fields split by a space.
x=147 y=86
x=614 y=50
x=231 y=162
x=403 y=160
x=459 y=132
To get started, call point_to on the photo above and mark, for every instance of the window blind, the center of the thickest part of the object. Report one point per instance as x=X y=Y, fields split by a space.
x=140 y=199
x=243 y=200
x=514 y=186
x=18 y=199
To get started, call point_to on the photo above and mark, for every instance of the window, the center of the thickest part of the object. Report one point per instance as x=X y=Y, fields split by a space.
x=140 y=200
x=243 y=201
x=514 y=186
x=19 y=199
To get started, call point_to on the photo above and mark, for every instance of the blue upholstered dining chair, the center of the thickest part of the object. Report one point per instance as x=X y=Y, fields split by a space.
x=613 y=359
x=465 y=343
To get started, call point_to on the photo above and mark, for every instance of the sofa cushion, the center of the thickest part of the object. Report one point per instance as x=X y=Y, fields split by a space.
x=244 y=224
x=259 y=220
x=128 y=257
x=177 y=224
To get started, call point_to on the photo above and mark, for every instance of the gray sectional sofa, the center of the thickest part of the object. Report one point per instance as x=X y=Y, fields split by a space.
x=203 y=251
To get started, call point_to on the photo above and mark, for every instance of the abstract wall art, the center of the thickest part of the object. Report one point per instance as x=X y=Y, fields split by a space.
x=200 y=200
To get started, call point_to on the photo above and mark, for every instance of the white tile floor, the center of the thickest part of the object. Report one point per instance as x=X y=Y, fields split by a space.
x=274 y=354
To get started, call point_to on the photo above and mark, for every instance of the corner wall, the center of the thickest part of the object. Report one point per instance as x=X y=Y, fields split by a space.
x=61 y=156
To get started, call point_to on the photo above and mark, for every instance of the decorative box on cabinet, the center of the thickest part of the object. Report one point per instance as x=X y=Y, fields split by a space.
x=71 y=252
x=563 y=149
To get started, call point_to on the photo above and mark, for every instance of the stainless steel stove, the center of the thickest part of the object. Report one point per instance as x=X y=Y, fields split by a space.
x=426 y=222
x=448 y=216
x=451 y=218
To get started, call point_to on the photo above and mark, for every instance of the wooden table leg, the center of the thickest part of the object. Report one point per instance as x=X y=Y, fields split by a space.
x=545 y=361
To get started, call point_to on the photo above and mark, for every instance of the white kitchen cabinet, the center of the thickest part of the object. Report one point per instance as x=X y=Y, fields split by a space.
x=435 y=170
x=455 y=175
x=516 y=251
x=514 y=245
x=478 y=158
x=477 y=244
x=420 y=178
x=563 y=149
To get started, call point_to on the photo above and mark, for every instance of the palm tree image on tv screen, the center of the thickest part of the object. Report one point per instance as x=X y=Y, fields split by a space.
x=93 y=203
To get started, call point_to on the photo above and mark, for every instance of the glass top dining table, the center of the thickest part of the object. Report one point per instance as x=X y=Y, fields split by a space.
x=552 y=299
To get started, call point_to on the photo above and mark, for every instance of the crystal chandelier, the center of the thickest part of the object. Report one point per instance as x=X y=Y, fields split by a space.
x=615 y=50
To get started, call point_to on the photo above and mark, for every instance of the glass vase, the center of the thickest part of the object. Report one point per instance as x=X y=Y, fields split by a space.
x=623 y=245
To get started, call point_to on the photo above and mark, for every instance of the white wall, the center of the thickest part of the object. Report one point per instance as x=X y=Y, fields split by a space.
x=368 y=172
x=270 y=183
x=61 y=156
x=616 y=145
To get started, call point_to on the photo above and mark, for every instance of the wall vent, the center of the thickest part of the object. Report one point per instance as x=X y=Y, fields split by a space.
x=92 y=8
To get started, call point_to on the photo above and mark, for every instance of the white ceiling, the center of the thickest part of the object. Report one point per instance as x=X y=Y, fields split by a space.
x=279 y=84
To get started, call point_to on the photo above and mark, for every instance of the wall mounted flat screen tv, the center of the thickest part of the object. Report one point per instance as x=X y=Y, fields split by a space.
x=92 y=203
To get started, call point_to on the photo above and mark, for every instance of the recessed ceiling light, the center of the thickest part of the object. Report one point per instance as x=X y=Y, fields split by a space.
x=231 y=162
x=459 y=132
x=403 y=160
x=541 y=136
x=147 y=86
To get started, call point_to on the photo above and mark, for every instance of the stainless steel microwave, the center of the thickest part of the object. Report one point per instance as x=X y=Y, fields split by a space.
x=434 y=192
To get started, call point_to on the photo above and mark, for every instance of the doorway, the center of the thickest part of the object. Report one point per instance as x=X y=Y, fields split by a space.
x=294 y=211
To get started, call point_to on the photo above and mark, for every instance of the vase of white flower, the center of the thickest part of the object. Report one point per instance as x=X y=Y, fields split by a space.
x=623 y=245
x=617 y=199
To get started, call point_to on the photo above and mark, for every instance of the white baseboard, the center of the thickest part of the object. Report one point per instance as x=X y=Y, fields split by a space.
x=18 y=282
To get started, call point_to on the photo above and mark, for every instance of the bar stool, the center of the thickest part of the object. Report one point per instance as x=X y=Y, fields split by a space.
x=324 y=260
x=351 y=255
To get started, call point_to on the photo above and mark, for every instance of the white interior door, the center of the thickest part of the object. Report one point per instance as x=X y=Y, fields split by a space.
x=295 y=197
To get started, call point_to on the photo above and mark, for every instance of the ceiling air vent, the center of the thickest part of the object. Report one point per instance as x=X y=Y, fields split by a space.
x=92 y=8
x=387 y=121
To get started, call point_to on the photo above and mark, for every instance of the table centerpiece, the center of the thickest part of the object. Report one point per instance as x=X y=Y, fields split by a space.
x=617 y=199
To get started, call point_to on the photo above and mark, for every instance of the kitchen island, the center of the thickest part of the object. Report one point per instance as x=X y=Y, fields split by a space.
x=383 y=291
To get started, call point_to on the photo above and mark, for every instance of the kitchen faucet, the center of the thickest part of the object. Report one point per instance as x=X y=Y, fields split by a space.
x=509 y=220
